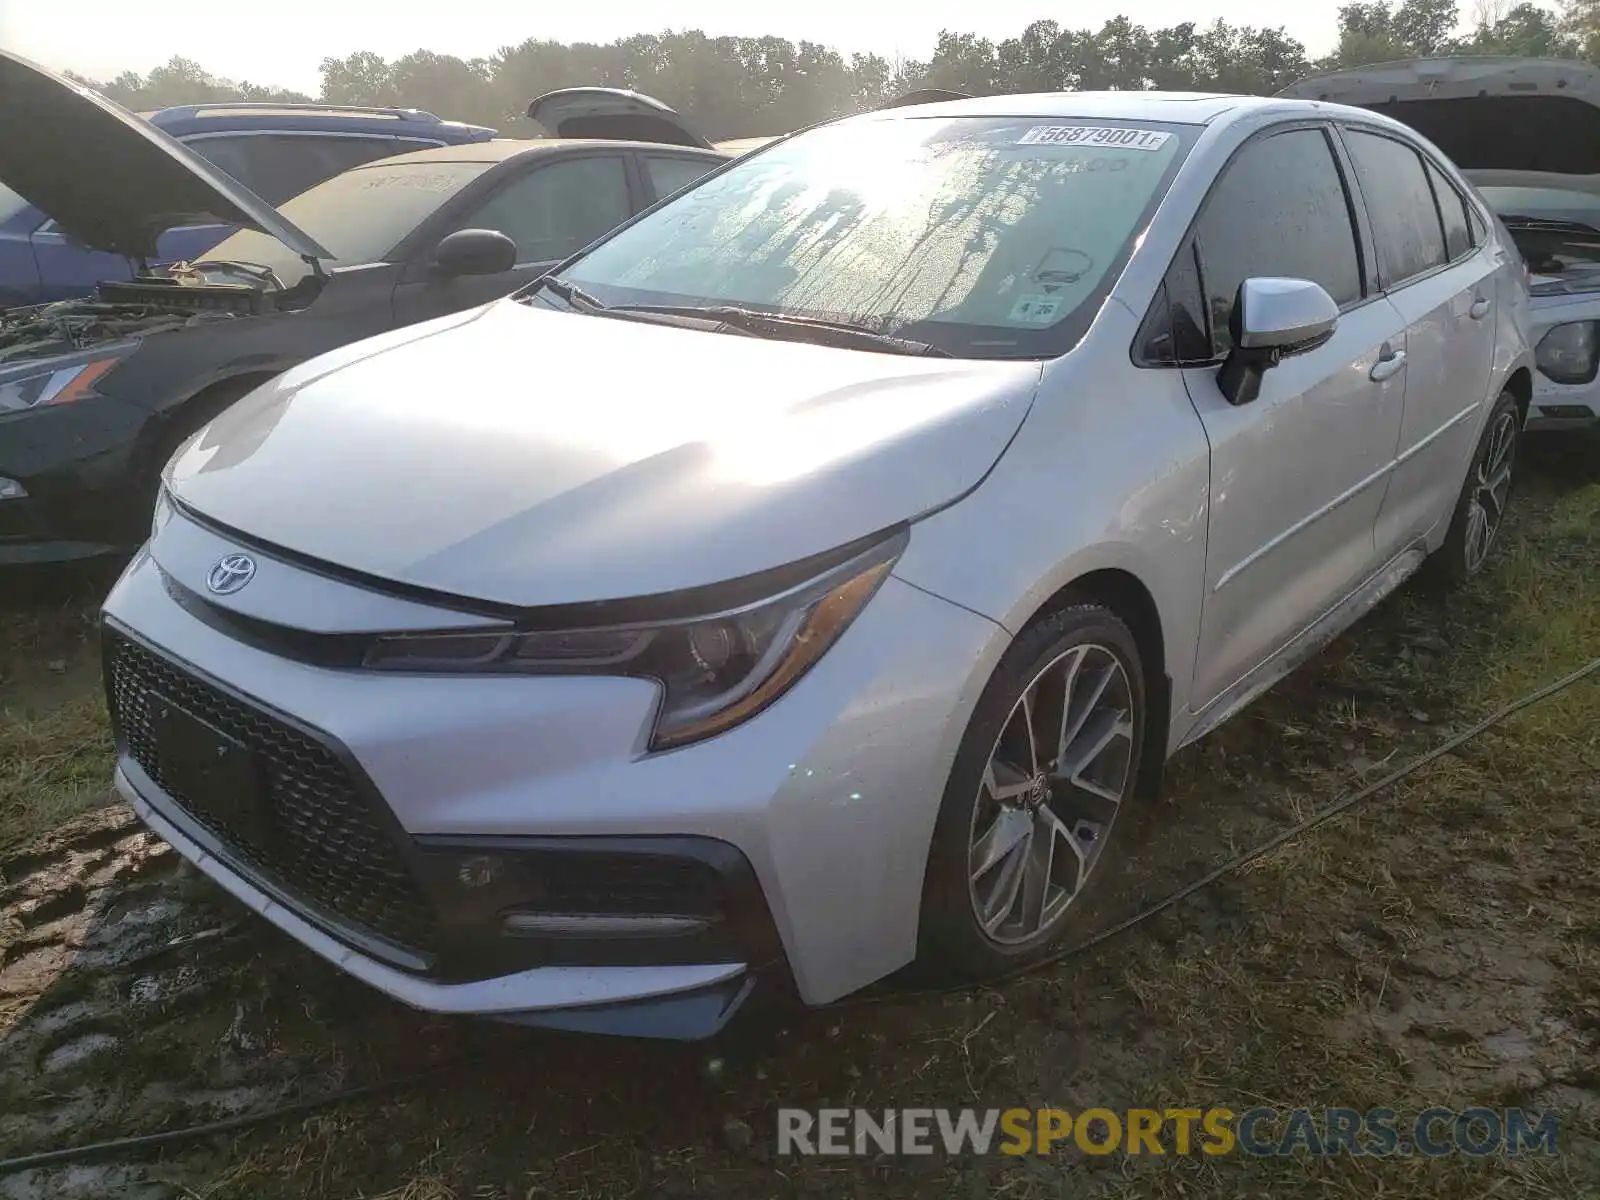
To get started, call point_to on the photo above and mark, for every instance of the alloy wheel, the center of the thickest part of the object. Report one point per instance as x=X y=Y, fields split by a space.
x=1055 y=780
x=1486 y=507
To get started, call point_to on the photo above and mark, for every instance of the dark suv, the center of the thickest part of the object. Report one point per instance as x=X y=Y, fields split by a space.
x=276 y=150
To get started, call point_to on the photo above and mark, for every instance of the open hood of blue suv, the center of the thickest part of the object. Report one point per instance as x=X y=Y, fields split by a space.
x=110 y=179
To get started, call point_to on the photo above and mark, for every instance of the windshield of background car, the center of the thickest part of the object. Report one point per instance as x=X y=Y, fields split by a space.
x=358 y=217
x=989 y=237
x=1558 y=232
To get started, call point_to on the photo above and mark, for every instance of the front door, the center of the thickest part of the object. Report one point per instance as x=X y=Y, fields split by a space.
x=1297 y=473
x=550 y=212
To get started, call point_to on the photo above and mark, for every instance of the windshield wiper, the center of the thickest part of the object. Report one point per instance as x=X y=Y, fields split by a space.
x=570 y=292
x=750 y=320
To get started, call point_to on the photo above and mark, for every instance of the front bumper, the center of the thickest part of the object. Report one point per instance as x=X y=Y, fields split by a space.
x=828 y=798
x=685 y=1002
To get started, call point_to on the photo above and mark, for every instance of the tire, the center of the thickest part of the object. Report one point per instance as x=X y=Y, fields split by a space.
x=969 y=928
x=1485 y=495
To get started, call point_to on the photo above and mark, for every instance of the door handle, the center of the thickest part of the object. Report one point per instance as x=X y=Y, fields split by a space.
x=1390 y=363
x=1480 y=308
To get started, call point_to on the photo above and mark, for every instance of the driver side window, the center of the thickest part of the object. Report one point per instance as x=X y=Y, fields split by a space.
x=552 y=211
x=1280 y=209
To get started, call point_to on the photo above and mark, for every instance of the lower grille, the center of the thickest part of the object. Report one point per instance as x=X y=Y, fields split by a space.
x=318 y=838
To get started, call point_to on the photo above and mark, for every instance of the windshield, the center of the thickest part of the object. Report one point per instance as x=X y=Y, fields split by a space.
x=358 y=217
x=1558 y=232
x=991 y=237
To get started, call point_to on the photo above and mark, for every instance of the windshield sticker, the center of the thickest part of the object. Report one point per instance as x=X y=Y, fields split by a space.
x=1061 y=266
x=1036 y=310
x=1095 y=135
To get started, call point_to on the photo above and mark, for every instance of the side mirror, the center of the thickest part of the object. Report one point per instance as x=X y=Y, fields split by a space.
x=1273 y=318
x=474 y=252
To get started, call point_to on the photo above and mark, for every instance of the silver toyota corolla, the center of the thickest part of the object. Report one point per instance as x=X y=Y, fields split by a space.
x=802 y=579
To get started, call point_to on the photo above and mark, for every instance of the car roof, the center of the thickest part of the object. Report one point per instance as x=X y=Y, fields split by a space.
x=1179 y=108
x=500 y=149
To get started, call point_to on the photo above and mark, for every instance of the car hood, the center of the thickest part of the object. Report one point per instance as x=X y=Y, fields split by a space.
x=529 y=457
x=1488 y=113
x=110 y=179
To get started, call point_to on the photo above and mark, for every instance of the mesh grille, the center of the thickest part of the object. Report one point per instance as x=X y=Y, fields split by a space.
x=321 y=841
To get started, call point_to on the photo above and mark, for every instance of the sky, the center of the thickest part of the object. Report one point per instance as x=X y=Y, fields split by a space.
x=283 y=43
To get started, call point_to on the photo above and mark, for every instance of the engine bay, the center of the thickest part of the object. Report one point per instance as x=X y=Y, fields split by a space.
x=184 y=296
x=67 y=326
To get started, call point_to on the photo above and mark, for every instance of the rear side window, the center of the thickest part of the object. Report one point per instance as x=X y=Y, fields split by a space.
x=1453 y=212
x=670 y=174
x=1280 y=209
x=1405 y=220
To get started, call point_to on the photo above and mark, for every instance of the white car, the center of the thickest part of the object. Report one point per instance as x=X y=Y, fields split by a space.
x=1526 y=131
x=803 y=577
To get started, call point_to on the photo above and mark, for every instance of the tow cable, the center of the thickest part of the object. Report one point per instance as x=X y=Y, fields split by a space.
x=401 y=1083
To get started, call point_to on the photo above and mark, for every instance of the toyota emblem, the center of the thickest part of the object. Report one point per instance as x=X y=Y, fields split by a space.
x=232 y=572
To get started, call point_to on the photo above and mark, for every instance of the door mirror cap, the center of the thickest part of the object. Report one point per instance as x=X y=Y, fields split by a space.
x=1273 y=318
x=1287 y=315
x=474 y=252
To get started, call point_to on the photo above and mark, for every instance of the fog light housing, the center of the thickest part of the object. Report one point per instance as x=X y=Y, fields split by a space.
x=1567 y=354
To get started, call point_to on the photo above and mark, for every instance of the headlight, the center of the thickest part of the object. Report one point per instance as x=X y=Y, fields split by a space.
x=1567 y=353
x=715 y=671
x=57 y=382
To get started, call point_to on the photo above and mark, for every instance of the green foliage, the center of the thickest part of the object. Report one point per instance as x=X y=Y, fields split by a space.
x=747 y=86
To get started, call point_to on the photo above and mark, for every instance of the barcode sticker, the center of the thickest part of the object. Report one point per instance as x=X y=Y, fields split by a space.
x=1103 y=137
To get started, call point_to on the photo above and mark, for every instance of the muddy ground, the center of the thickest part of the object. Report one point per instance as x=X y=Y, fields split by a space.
x=1440 y=945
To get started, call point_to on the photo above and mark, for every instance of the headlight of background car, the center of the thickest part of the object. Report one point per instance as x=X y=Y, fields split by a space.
x=57 y=380
x=715 y=671
x=1567 y=353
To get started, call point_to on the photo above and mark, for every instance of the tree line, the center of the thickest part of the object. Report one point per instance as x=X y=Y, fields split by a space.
x=741 y=86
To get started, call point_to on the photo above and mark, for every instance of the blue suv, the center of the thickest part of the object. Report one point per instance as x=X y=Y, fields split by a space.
x=276 y=150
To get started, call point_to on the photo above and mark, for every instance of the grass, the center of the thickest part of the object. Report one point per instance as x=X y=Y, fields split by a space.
x=1439 y=946
x=54 y=747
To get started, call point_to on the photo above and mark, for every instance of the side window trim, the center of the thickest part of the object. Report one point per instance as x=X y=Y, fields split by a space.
x=1474 y=241
x=1190 y=242
x=1386 y=286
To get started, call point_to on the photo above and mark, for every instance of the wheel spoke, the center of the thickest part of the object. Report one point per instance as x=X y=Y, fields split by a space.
x=1009 y=788
x=1075 y=714
x=1036 y=885
x=1097 y=735
x=1033 y=737
x=1003 y=898
x=1010 y=829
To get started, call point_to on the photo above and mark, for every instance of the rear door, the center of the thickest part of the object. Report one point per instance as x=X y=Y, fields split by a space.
x=1297 y=473
x=1435 y=275
x=550 y=211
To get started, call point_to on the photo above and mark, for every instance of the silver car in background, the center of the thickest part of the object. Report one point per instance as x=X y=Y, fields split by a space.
x=1526 y=132
x=802 y=579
